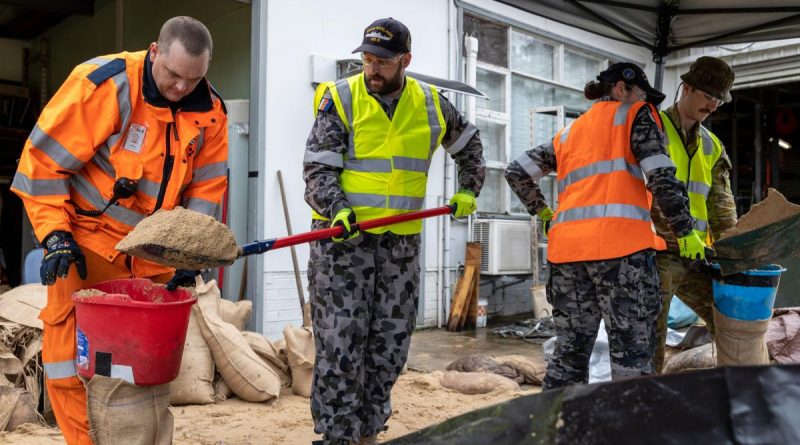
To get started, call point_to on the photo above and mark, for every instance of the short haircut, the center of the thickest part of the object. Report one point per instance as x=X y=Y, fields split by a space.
x=192 y=34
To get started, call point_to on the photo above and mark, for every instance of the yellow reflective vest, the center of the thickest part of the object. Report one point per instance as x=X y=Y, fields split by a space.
x=695 y=170
x=385 y=168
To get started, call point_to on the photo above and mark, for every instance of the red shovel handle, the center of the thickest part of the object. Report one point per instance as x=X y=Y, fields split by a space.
x=316 y=235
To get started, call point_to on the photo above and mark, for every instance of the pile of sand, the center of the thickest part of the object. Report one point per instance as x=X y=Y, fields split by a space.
x=773 y=209
x=183 y=239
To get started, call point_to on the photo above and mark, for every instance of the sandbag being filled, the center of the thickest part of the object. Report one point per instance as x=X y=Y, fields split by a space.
x=183 y=239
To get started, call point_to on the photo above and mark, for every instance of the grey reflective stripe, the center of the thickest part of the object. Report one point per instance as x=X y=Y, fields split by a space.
x=369 y=165
x=433 y=118
x=40 y=187
x=200 y=139
x=149 y=188
x=604 y=211
x=324 y=157
x=406 y=203
x=124 y=105
x=621 y=116
x=598 y=168
x=210 y=171
x=651 y=163
x=97 y=61
x=708 y=143
x=411 y=164
x=701 y=225
x=102 y=159
x=366 y=199
x=530 y=167
x=201 y=205
x=59 y=370
x=90 y=193
x=346 y=98
x=55 y=150
x=699 y=188
x=565 y=132
x=463 y=139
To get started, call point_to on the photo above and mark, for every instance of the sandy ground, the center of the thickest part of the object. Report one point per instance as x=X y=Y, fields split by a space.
x=417 y=398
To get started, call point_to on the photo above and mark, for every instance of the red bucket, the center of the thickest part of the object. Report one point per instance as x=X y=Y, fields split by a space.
x=134 y=330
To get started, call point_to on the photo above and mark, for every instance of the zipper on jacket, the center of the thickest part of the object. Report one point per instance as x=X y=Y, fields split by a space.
x=169 y=162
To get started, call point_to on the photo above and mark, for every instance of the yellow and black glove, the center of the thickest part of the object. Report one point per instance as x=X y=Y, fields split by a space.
x=546 y=215
x=465 y=203
x=347 y=219
x=692 y=246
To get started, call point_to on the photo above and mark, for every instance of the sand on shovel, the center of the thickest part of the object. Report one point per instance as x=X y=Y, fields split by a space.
x=773 y=209
x=183 y=239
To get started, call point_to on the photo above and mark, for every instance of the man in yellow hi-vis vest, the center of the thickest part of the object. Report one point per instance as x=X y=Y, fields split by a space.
x=368 y=156
x=704 y=167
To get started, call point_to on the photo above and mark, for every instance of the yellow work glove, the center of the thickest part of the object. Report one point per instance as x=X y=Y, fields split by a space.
x=347 y=219
x=546 y=215
x=692 y=246
x=465 y=203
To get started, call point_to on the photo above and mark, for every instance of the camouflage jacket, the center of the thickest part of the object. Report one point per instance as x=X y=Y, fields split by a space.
x=646 y=141
x=323 y=191
x=720 y=202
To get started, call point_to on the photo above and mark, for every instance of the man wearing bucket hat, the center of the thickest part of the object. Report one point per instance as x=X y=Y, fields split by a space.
x=368 y=156
x=601 y=244
x=704 y=167
x=125 y=135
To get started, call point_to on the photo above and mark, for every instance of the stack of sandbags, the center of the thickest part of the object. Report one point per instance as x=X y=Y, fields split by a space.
x=301 y=353
x=20 y=346
x=244 y=372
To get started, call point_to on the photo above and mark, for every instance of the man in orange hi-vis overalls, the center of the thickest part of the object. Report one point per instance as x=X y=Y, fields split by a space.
x=125 y=135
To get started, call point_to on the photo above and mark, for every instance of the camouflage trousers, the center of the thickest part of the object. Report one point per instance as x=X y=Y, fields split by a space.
x=364 y=295
x=692 y=287
x=624 y=292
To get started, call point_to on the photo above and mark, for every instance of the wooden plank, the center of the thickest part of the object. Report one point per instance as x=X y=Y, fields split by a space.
x=473 y=257
x=462 y=293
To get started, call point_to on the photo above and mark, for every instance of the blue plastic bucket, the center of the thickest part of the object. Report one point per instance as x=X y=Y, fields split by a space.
x=748 y=295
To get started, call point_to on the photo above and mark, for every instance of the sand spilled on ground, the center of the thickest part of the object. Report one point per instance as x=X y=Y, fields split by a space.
x=418 y=401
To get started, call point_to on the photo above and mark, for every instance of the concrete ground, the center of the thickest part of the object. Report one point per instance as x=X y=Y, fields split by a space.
x=434 y=349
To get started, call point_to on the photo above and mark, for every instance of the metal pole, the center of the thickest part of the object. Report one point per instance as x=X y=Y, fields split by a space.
x=758 y=150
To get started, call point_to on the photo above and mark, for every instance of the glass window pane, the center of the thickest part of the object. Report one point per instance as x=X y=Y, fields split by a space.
x=531 y=56
x=493 y=85
x=493 y=137
x=492 y=39
x=527 y=94
x=490 y=200
x=579 y=68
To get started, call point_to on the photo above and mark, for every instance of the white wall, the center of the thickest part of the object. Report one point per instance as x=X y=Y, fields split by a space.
x=334 y=30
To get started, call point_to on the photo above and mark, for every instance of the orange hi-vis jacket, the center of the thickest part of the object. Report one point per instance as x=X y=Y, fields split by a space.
x=99 y=127
x=603 y=203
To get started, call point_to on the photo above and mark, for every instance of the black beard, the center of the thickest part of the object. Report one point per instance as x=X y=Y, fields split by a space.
x=389 y=85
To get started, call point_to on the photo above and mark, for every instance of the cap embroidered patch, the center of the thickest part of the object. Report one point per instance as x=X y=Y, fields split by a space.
x=628 y=73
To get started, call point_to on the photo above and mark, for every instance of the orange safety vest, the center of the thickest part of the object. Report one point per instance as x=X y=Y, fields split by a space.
x=98 y=128
x=604 y=206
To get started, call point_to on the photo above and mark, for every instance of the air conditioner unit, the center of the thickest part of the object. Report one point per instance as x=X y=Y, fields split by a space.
x=505 y=246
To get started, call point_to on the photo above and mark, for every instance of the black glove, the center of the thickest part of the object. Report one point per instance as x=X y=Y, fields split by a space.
x=182 y=278
x=62 y=250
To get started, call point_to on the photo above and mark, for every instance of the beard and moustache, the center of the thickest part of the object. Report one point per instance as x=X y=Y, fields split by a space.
x=389 y=85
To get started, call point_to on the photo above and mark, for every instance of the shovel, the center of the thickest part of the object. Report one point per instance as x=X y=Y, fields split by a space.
x=185 y=259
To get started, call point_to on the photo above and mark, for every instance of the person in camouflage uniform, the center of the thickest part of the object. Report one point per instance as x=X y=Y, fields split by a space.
x=705 y=87
x=364 y=288
x=623 y=290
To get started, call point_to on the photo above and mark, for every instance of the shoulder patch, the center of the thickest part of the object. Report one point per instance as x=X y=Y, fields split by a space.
x=219 y=96
x=325 y=104
x=106 y=71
